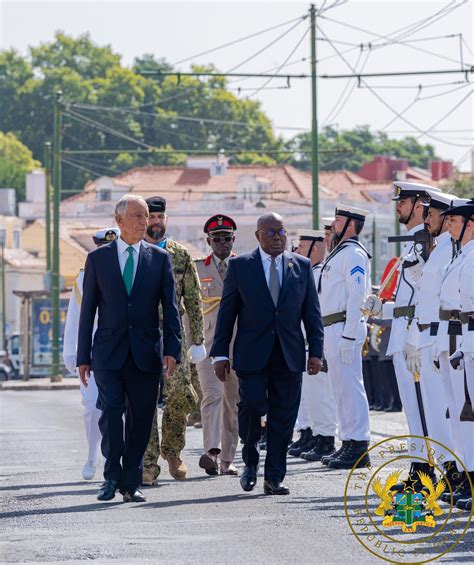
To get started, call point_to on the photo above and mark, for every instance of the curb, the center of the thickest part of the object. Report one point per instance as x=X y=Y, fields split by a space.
x=69 y=384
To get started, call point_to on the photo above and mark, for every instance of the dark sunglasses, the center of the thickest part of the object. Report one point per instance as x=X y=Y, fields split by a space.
x=218 y=239
x=270 y=232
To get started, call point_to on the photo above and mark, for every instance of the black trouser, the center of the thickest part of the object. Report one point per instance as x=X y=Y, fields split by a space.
x=133 y=392
x=276 y=392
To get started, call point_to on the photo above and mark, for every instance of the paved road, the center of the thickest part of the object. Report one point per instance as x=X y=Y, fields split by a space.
x=49 y=514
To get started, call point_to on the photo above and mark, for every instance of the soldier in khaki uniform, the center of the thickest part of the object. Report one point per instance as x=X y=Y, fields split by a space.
x=180 y=394
x=219 y=399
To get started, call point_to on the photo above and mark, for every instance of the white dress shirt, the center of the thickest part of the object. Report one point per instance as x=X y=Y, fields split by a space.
x=123 y=254
x=266 y=264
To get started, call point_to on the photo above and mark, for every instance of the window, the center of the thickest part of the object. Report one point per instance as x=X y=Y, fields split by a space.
x=104 y=195
x=16 y=239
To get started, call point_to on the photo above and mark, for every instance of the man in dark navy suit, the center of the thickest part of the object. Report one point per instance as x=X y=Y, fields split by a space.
x=124 y=284
x=270 y=292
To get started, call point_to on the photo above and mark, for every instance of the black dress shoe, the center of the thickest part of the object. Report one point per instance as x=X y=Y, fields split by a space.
x=107 y=490
x=248 y=479
x=275 y=487
x=133 y=496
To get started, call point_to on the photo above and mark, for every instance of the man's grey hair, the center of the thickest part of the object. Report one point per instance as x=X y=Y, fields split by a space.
x=122 y=204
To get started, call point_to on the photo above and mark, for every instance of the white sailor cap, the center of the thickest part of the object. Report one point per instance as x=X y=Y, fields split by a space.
x=105 y=235
x=351 y=212
x=327 y=222
x=411 y=190
x=310 y=235
x=440 y=200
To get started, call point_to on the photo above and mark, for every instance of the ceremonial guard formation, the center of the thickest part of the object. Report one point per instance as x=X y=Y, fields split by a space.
x=90 y=412
x=255 y=324
x=219 y=399
x=179 y=392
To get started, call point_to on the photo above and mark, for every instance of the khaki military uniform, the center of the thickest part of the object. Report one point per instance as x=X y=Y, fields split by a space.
x=219 y=400
x=180 y=394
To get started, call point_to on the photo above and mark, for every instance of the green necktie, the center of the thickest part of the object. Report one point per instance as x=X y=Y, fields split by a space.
x=128 y=270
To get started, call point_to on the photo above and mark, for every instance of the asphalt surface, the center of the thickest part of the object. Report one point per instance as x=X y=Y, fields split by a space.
x=49 y=514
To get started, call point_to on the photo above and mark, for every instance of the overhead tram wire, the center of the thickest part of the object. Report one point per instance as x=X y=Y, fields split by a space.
x=292 y=52
x=263 y=49
x=392 y=42
x=387 y=105
x=239 y=40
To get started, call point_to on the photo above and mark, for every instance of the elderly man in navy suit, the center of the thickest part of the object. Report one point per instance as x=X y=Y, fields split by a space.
x=124 y=284
x=270 y=292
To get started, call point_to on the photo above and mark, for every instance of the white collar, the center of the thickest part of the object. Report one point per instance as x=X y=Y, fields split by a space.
x=266 y=256
x=122 y=246
x=468 y=247
x=414 y=229
x=217 y=260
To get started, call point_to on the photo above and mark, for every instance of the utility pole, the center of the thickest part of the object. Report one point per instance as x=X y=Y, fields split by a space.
x=55 y=276
x=314 y=121
x=47 y=215
x=374 y=251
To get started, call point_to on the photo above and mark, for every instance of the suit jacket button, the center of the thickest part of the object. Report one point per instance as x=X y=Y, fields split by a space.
x=129 y=327
x=273 y=332
x=129 y=304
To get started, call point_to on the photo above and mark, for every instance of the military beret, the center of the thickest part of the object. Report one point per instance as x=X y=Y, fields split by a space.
x=219 y=222
x=105 y=235
x=156 y=204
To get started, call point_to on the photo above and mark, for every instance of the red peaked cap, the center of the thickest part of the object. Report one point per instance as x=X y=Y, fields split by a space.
x=219 y=222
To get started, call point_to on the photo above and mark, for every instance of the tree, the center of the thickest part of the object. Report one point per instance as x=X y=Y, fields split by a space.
x=15 y=161
x=350 y=149
x=464 y=185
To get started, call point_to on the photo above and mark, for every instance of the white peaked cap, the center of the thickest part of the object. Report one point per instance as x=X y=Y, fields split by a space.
x=351 y=212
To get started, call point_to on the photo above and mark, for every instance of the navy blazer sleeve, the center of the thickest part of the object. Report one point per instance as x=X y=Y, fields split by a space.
x=312 y=320
x=90 y=300
x=171 y=317
x=228 y=311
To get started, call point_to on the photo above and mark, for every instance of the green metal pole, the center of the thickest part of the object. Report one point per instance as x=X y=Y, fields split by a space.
x=55 y=290
x=374 y=251
x=47 y=215
x=314 y=122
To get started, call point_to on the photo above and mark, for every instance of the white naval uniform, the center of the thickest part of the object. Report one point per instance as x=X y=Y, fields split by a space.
x=426 y=312
x=406 y=296
x=345 y=283
x=466 y=294
x=462 y=432
x=89 y=395
x=317 y=406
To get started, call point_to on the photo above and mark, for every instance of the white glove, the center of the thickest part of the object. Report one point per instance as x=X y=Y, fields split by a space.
x=70 y=362
x=346 y=349
x=197 y=353
x=457 y=360
x=412 y=357
x=372 y=306
x=434 y=357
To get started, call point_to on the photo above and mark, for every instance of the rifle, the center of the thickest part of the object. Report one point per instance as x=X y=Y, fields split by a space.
x=421 y=237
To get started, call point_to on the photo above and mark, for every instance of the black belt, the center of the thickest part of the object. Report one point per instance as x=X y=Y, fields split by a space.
x=331 y=319
x=404 y=312
x=446 y=315
x=465 y=316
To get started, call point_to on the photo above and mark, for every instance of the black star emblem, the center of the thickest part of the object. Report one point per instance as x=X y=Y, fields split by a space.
x=409 y=484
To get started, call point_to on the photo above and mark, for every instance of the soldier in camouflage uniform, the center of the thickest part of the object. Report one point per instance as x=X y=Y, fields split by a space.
x=180 y=394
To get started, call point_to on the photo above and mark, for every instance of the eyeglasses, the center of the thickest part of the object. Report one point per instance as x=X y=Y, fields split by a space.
x=270 y=232
x=218 y=239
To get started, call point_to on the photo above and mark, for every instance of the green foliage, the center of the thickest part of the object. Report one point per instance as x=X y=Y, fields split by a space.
x=15 y=161
x=132 y=106
x=350 y=149
x=464 y=186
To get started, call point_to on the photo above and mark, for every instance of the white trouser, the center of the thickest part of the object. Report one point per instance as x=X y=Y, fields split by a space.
x=407 y=390
x=462 y=432
x=352 y=408
x=317 y=407
x=436 y=405
x=91 y=416
x=469 y=364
